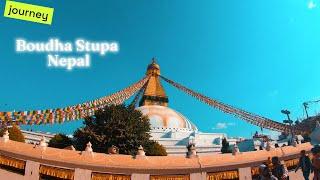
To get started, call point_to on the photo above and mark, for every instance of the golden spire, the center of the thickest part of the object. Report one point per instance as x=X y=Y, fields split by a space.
x=154 y=93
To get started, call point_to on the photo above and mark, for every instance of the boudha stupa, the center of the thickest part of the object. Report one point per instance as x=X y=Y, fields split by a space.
x=169 y=127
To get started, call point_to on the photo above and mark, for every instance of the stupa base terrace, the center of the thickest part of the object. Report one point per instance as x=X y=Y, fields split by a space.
x=20 y=161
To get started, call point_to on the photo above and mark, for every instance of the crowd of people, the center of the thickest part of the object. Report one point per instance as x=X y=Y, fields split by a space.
x=273 y=169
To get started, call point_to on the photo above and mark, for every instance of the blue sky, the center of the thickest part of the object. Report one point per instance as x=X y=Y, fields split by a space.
x=262 y=56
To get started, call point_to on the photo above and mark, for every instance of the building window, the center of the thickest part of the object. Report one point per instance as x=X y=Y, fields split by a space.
x=12 y=165
x=291 y=164
x=255 y=172
x=104 y=176
x=225 y=175
x=169 y=177
x=55 y=173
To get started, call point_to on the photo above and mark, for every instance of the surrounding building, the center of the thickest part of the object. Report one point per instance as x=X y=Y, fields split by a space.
x=35 y=137
x=260 y=142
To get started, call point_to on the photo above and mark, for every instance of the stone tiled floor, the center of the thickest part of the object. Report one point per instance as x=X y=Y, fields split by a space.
x=298 y=175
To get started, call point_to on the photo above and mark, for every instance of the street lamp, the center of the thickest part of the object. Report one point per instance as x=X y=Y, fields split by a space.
x=288 y=121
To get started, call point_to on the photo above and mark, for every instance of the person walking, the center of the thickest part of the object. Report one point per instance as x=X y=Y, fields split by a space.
x=261 y=169
x=266 y=174
x=305 y=165
x=279 y=170
x=316 y=162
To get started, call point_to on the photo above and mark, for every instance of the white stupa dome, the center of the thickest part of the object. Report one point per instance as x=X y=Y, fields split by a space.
x=162 y=117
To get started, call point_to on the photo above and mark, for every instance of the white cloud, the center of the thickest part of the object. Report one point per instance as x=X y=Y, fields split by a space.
x=223 y=125
x=311 y=5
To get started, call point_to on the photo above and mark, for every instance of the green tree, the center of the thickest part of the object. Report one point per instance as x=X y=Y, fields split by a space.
x=154 y=149
x=60 y=141
x=225 y=146
x=118 y=125
x=15 y=133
